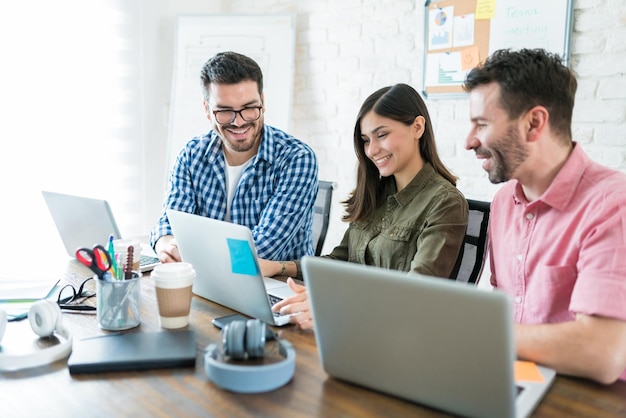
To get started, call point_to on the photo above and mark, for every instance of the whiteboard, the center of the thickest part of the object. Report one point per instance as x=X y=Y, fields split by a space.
x=532 y=24
x=267 y=39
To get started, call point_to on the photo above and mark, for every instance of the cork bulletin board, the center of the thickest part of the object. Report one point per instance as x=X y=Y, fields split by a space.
x=459 y=34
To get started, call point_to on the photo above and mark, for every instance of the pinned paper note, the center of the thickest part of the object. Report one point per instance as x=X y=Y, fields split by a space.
x=241 y=257
x=463 y=32
x=440 y=28
x=469 y=58
x=527 y=371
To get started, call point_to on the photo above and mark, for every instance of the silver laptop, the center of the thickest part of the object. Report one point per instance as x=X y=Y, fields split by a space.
x=431 y=341
x=74 y=219
x=227 y=269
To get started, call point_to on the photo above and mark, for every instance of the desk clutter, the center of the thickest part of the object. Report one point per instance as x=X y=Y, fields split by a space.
x=224 y=362
x=237 y=362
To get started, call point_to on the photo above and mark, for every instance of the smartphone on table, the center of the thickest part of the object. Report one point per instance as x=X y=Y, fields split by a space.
x=222 y=321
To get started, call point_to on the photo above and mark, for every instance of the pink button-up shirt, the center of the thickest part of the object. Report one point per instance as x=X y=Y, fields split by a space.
x=564 y=253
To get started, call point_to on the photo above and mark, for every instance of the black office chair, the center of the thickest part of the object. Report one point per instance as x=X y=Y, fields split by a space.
x=321 y=216
x=475 y=243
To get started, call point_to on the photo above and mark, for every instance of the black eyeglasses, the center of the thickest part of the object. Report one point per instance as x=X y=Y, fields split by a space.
x=248 y=114
x=72 y=300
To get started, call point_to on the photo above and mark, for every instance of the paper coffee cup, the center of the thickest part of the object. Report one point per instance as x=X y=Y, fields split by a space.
x=173 y=283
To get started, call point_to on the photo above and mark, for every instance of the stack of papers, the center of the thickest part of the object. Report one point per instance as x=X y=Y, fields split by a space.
x=17 y=295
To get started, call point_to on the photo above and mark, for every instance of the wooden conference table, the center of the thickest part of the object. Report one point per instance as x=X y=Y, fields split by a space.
x=186 y=392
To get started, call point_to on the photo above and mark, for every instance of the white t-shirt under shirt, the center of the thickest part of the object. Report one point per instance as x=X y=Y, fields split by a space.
x=233 y=175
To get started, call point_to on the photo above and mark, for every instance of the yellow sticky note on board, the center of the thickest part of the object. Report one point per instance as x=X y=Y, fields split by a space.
x=485 y=9
x=527 y=371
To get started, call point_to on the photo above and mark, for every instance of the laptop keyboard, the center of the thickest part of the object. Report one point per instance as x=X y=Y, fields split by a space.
x=273 y=300
x=148 y=259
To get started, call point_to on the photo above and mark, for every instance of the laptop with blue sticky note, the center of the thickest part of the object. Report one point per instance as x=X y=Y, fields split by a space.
x=227 y=268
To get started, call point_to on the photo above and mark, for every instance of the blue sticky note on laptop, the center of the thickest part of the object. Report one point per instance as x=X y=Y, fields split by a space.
x=241 y=257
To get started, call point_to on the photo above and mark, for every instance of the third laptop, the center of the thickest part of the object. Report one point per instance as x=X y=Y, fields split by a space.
x=84 y=221
x=431 y=341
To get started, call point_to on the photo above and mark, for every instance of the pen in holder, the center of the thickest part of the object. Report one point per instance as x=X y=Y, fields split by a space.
x=118 y=302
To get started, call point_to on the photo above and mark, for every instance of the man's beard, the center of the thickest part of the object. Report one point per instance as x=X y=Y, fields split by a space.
x=507 y=154
x=245 y=146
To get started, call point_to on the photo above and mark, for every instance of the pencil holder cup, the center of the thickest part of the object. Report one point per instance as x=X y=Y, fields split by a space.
x=118 y=303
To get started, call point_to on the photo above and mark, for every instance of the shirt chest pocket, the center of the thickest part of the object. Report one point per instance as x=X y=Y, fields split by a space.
x=396 y=247
x=251 y=201
x=397 y=233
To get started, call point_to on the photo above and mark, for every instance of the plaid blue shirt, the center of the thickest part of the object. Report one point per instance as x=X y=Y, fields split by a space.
x=274 y=198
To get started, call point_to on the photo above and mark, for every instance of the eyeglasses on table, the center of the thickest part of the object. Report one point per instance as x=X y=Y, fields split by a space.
x=72 y=299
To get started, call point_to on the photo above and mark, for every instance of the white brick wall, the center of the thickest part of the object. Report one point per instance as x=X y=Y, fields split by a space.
x=346 y=49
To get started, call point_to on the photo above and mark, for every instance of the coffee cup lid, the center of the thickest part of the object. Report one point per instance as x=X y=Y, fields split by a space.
x=173 y=270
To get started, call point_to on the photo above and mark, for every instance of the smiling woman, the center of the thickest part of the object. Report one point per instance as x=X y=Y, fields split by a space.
x=70 y=107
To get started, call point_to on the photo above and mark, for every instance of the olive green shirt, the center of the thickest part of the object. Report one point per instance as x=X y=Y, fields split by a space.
x=419 y=229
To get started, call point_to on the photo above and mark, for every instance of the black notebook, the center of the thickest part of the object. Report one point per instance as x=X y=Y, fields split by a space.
x=133 y=351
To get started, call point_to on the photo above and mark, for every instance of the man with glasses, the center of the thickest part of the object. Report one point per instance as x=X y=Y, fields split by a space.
x=243 y=171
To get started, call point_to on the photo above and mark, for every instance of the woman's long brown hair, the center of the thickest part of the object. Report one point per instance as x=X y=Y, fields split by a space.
x=401 y=103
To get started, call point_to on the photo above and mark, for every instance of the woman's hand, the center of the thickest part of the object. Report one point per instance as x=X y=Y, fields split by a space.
x=297 y=306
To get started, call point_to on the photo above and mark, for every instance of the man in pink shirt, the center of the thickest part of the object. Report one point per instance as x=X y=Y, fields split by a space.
x=558 y=225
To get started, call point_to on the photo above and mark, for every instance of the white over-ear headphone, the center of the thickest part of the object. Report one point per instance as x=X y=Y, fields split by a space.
x=246 y=339
x=45 y=320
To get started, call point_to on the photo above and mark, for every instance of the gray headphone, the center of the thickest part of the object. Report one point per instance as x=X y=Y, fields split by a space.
x=246 y=339
x=45 y=320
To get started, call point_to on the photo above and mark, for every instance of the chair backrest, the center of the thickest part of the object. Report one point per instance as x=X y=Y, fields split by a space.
x=321 y=216
x=475 y=243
